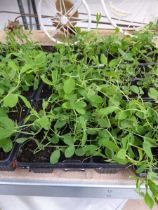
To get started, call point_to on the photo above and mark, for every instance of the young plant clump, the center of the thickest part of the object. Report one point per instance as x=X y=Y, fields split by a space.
x=95 y=99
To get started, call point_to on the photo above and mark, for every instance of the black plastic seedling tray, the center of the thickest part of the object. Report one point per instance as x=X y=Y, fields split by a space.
x=102 y=66
x=79 y=164
x=9 y=164
x=71 y=164
x=74 y=164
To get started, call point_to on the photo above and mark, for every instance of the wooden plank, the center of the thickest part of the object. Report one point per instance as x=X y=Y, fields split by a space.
x=2 y=36
x=87 y=176
x=41 y=38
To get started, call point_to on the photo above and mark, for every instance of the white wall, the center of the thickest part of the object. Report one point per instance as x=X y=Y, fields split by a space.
x=145 y=8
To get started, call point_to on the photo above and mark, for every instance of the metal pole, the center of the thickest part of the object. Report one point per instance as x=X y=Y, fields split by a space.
x=35 y=13
x=68 y=189
x=21 y=8
x=29 y=11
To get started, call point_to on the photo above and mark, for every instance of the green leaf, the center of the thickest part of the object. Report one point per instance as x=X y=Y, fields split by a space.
x=138 y=185
x=125 y=141
x=147 y=148
x=104 y=122
x=66 y=105
x=60 y=124
x=105 y=111
x=95 y=100
x=82 y=121
x=69 y=86
x=108 y=144
x=80 y=152
x=141 y=115
x=46 y=81
x=151 y=141
x=54 y=158
x=10 y=100
x=96 y=60
x=3 y=113
x=126 y=56
x=7 y=128
x=140 y=154
x=54 y=77
x=92 y=131
x=25 y=68
x=79 y=106
x=6 y=145
x=129 y=138
x=5 y=133
x=84 y=138
x=104 y=134
x=26 y=102
x=71 y=98
x=134 y=89
x=21 y=140
x=113 y=63
x=54 y=139
x=153 y=93
x=36 y=83
x=6 y=122
x=45 y=104
x=115 y=100
x=91 y=150
x=141 y=91
x=40 y=59
x=80 y=111
x=13 y=65
x=142 y=168
x=43 y=122
x=123 y=115
x=109 y=153
x=148 y=200
x=68 y=140
x=69 y=151
x=152 y=175
x=103 y=59
x=130 y=120
x=153 y=187
x=121 y=156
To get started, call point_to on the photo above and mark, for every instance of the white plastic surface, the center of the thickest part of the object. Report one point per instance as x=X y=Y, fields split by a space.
x=44 y=203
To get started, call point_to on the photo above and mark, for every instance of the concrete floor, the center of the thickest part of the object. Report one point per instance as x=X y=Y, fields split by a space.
x=44 y=203
x=137 y=205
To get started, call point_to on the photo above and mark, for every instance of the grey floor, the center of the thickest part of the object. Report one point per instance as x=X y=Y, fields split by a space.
x=45 y=203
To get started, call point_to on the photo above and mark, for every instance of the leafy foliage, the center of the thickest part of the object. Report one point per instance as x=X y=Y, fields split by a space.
x=97 y=98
